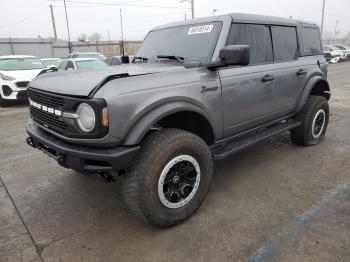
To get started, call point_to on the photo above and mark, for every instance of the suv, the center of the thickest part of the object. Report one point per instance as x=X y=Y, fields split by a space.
x=199 y=91
x=87 y=55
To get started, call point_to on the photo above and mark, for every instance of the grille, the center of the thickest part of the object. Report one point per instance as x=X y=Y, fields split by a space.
x=22 y=95
x=51 y=120
x=22 y=84
x=45 y=99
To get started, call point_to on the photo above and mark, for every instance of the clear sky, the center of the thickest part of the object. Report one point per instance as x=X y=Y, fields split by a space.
x=30 y=18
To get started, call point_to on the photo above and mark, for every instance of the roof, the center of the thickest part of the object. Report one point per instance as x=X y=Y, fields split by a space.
x=240 y=18
x=77 y=52
x=51 y=58
x=17 y=56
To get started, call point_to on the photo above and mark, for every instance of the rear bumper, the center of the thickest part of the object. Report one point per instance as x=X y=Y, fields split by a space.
x=80 y=158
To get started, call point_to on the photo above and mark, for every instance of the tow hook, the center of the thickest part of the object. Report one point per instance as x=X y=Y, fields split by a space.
x=107 y=176
x=30 y=142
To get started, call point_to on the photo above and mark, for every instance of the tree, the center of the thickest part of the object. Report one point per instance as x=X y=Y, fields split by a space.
x=95 y=36
x=82 y=38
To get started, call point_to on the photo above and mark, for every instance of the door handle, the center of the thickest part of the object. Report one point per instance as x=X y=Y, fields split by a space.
x=267 y=78
x=301 y=72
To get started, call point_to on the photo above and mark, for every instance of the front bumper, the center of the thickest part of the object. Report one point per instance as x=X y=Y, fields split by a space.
x=81 y=158
x=17 y=92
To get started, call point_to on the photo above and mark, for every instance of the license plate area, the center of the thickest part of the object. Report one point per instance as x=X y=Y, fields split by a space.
x=49 y=151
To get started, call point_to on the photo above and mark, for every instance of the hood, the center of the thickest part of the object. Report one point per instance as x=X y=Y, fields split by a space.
x=23 y=74
x=83 y=82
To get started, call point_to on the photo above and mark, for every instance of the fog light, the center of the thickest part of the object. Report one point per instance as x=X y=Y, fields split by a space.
x=6 y=90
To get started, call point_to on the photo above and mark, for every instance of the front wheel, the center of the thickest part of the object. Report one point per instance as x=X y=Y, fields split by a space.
x=170 y=179
x=314 y=121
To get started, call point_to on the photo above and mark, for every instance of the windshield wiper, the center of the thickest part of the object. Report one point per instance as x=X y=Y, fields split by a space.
x=172 y=57
x=142 y=58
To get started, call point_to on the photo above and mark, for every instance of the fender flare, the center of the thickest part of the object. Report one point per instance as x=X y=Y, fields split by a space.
x=147 y=120
x=307 y=91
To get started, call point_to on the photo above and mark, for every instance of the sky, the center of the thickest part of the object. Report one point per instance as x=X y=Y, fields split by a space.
x=31 y=18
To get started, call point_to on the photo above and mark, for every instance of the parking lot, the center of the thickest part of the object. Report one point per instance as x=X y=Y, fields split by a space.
x=273 y=202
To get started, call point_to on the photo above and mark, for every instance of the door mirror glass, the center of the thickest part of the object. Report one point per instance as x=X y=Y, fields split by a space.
x=235 y=55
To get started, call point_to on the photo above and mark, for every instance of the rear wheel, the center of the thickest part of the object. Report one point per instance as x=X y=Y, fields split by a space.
x=170 y=179
x=314 y=121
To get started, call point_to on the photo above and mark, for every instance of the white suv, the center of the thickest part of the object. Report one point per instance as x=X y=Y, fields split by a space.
x=87 y=55
x=16 y=72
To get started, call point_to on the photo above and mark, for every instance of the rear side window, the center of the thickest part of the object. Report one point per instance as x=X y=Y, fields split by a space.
x=285 y=43
x=311 y=41
x=257 y=37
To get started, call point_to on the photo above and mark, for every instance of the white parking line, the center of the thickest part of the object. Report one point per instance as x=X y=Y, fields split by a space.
x=19 y=156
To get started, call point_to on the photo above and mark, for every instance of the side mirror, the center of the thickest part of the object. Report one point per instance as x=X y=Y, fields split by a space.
x=235 y=55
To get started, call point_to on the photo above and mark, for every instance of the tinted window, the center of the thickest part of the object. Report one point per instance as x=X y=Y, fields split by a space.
x=340 y=47
x=63 y=64
x=76 y=56
x=115 y=61
x=108 y=61
x=312 y=41
x=257 y=37
x=70 y=65
x=285 y=44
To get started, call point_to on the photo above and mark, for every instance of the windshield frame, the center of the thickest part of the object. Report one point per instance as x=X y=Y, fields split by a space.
x=202 y=60
x=23 y=58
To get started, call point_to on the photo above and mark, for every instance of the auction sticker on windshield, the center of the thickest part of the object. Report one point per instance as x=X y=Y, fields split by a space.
x=202 y=29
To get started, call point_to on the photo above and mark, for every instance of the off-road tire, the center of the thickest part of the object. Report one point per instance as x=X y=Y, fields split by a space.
x=302 y=135
x=140 y=185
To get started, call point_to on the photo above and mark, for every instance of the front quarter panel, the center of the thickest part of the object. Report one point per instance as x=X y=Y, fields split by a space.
x=139 y=102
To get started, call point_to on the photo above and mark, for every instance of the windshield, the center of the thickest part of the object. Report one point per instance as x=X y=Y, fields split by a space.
x=189 y=42
x=90 y=64
x=13 y=64
x=340 y=47
x=98 y=56
x=49 y=62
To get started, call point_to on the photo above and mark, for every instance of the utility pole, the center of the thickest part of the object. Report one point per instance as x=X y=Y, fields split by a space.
x=122 y=31
x=69 y=43
x=322 y=21
x=192 y=6
x=53 y=22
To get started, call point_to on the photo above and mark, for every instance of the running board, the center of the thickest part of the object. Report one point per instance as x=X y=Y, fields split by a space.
x=229 y=147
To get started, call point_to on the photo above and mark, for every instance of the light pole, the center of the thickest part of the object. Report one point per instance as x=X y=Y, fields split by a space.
x=322 y=21
x=192 y=6
x=214 y=11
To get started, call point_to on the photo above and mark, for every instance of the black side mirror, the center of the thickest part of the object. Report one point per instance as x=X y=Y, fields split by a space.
x=235 y=55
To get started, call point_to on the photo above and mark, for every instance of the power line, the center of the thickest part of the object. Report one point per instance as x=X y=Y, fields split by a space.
x=120 y=4
x=25 y=19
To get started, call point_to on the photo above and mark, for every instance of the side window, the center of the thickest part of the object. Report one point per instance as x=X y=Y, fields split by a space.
x=115 y=61
x=70 y=65
x=76 y=56
x=63 y=65
x=285 y=43
x=311 y=41
x=108 y=61
x=258 y=37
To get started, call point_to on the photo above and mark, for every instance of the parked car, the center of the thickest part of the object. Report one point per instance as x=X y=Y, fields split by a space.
x=87 y=55
x=81 y=63
x=113 y=61
x=51 y=61
x=216 y=86
x=336 y=52
x=344 y=48
x=16 y=71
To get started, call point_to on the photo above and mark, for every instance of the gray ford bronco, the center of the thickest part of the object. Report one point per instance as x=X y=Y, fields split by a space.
x=197 y=91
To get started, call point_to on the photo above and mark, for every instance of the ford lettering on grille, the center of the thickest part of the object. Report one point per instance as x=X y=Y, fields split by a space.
x=45 y=108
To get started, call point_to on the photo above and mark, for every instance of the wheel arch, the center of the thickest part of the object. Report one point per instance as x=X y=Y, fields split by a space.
x=317 y=85
x=167 y=115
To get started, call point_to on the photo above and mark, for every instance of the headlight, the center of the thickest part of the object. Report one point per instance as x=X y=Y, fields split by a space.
x=7 y=77
x=85 y=117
